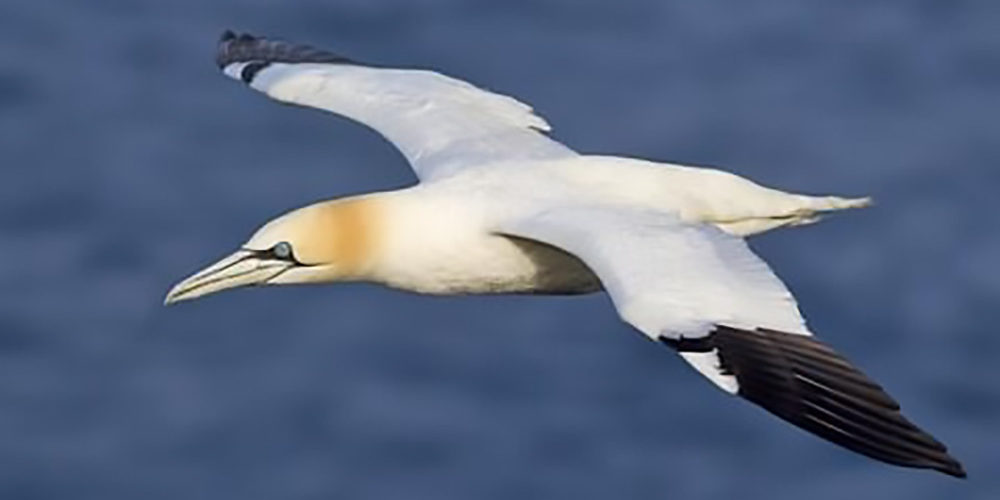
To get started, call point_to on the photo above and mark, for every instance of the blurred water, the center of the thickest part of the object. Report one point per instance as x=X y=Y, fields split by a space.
x=128 y=162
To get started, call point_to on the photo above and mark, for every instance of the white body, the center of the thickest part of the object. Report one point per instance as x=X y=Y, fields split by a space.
x=442 y=236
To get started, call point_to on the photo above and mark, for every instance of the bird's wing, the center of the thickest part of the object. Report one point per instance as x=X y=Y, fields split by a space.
x=437 y=122
x=705 y=294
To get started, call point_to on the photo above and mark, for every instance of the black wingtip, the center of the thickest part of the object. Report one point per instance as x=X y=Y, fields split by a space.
x=952 y=467
x=237 y=47
x=805 y=382
x=232 y=46
x=221 y=58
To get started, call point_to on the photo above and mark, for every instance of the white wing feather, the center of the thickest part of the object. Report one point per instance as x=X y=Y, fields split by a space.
x=438 y=123
x=669 y=278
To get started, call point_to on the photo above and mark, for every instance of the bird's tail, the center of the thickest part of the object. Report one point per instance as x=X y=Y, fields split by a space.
x=809 y=210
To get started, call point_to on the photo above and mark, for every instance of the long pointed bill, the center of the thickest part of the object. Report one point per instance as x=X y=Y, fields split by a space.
x=242 y=268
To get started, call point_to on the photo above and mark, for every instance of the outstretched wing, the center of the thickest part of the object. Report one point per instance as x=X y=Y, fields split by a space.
x=439 y=123
x=708 y=296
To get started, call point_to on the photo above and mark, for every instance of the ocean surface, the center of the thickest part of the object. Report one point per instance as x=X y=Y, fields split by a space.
x=127 y=162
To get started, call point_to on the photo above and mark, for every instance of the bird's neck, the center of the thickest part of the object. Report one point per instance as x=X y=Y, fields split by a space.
x=378 y=236
x=437 y=241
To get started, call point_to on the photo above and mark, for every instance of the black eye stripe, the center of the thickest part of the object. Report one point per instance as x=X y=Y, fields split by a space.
x=280 y=251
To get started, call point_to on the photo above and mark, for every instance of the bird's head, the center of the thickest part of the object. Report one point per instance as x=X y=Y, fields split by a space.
x=325 y=242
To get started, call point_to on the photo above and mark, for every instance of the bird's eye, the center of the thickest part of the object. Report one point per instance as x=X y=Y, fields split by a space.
x=282 y=250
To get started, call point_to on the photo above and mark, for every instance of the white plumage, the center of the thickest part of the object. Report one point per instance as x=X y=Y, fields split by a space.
x=502 y=208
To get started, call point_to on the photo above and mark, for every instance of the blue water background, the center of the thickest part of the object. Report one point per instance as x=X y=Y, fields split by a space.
x=127 y=161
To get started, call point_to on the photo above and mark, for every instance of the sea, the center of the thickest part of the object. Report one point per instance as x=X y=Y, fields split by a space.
x=127 y=162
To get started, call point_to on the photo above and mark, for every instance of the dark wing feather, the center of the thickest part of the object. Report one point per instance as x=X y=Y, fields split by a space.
x=237 y=48
x=808 y=384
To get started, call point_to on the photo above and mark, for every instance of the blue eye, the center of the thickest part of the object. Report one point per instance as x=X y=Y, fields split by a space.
x=282 y=250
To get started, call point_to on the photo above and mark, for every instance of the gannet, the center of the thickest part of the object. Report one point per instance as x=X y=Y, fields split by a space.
x=500 y=207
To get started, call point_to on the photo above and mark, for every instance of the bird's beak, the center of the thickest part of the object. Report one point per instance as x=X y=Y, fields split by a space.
x=242 y=268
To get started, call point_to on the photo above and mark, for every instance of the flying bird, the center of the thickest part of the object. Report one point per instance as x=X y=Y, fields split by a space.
x=501 y=207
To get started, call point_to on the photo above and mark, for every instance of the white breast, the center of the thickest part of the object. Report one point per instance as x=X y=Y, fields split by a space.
x=439 y=243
